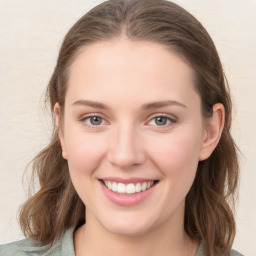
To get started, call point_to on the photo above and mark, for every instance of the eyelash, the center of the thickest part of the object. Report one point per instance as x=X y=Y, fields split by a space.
x=169 y=120
x=83 y=120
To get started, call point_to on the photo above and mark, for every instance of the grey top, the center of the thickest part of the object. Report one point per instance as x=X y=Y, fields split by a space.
x=63 y=247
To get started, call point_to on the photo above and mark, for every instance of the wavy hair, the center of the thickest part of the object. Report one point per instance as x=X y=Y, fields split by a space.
x=56 y=207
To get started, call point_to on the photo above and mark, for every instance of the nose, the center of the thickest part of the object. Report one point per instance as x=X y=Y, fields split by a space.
x=126 y=148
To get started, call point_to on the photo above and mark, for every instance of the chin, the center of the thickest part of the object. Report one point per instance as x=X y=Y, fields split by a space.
x=128 y=230
x=128 y=226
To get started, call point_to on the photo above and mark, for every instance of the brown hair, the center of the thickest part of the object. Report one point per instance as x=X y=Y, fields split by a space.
x=208 y=215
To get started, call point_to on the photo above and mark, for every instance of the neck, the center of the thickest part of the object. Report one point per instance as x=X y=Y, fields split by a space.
x=94 y=240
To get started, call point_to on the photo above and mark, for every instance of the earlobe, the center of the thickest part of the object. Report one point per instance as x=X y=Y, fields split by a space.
x=57 y=113
x=213 y=130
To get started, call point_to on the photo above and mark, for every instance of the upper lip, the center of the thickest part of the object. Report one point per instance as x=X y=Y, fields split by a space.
x=127 y=181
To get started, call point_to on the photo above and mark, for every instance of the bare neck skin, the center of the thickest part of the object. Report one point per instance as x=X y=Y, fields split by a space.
x=167 y=239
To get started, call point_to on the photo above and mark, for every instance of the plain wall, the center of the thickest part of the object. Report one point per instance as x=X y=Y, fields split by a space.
x=30 y=35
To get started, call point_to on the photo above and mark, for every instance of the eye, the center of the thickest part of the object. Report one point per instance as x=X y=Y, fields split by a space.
x=94 y=120
x=161 y=121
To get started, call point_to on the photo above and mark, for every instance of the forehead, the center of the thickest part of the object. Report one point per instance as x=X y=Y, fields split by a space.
x=124 y=68
x=117 y=52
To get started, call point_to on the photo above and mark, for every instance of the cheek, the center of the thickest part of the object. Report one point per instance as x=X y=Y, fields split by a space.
x=84 y=152
x=177 y=155
x=177 y=159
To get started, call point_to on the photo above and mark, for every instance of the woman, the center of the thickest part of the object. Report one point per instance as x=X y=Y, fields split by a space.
x=141 y=139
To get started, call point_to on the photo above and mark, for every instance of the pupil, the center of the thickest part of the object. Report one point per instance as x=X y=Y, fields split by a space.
x=95 y=120
x=161 y=120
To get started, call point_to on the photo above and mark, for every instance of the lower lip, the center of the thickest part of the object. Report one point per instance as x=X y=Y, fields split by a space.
x=124 y=199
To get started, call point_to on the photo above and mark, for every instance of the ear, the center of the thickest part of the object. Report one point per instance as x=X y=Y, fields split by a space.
x=57 y=113
x=213 y=130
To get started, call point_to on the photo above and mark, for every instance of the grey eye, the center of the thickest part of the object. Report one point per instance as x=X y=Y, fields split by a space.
x=94 y=120
x=161 y=120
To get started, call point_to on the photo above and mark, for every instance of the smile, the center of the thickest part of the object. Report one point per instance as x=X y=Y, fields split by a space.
x=128 y=192
x=130 y=188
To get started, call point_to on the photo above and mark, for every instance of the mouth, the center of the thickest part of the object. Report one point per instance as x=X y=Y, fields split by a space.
x=130 y=188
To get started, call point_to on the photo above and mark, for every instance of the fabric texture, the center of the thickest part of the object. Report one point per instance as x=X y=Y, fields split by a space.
x=63 y=247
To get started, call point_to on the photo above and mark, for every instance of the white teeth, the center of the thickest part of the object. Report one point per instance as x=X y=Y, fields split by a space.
x=138 y=187
x=149 y=184
x=121 y=188
x=130 y=188
x=109 y=185
x=144 y=186
x=114 y=186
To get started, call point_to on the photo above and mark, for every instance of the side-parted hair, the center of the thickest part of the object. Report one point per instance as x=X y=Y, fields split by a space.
x=56 y=207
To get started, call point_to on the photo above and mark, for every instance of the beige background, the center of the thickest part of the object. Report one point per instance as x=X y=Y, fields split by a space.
x=30 y=36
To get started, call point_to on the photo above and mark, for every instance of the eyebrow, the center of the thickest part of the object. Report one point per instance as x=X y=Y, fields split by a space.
x=89 y=103
x=158 y=104
x=161 y=104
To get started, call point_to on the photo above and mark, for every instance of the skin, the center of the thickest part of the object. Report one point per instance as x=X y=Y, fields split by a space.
x=126 y=77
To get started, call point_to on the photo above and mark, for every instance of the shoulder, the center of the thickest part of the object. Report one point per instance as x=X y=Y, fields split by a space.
x=235 y=253
x=30 y=247
x=201 y=251
x=25 y=247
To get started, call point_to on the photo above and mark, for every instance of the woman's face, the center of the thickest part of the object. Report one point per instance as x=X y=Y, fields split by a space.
x=132 y=135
